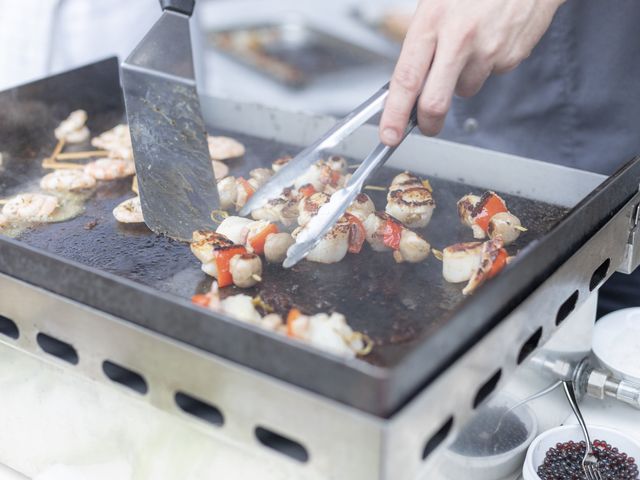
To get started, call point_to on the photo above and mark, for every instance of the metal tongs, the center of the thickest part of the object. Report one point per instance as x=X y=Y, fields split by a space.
x=330 y=212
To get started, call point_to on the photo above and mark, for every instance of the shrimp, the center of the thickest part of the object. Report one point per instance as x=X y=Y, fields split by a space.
x=67 y=181
x=116 y=141
x=129 y=211
x=110 y=168
x=73 y=129
x=30 y=207
x=224 y=148
x=220 y=170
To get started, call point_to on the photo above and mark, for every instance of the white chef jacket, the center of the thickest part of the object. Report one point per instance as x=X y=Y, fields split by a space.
x=42 y=37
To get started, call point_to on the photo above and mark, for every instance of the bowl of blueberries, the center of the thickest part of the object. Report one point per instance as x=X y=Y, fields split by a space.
x=557 y=454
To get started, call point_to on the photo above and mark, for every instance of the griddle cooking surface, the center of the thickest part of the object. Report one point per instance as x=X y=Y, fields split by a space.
x=393 y=303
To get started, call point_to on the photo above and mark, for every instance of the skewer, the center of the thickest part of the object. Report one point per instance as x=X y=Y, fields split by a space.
x=375 y=187
x=4 y=201
x=81 y=155
x=56 y=150
x=47 y=163
x=134 y=185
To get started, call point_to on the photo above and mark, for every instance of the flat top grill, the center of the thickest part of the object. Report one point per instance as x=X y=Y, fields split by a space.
x=127 y=270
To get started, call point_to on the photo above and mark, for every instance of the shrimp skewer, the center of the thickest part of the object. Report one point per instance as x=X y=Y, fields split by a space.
x=67 y=181
x=73 y=128
x=110 y=168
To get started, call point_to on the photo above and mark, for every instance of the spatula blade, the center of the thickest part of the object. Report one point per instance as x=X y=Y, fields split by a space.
x=177 y=185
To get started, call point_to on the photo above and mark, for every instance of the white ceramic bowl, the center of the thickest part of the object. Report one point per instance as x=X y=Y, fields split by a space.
x=616 y=340
x=548 y=439
x=491 y=467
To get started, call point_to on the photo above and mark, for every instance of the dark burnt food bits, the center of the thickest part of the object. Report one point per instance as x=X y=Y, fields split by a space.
x=564 y=462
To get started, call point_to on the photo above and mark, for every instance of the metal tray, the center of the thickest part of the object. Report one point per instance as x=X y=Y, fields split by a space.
x=420 y=323
x=292 y=53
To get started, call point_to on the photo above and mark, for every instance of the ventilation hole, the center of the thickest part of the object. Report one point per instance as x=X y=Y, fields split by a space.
x=530 y=345
x=8 y=328
x=203 y=410
x=57 y=348
x=124 y=376
x=437 y=438
x=567 y=307
x=282 y=444
x=487 y=388
x=599 y=274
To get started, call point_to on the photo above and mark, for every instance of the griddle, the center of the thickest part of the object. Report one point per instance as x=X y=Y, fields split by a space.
x=419 y=323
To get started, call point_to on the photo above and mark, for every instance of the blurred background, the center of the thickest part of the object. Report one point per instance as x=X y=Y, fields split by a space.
x=322 y=56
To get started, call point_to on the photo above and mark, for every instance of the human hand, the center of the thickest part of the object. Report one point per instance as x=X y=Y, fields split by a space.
x=453 y=46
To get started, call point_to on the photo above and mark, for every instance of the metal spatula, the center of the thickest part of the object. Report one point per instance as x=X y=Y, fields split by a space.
x=175 y=175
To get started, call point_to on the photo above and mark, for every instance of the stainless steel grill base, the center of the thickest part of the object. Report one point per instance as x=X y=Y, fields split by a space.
x=341 y=442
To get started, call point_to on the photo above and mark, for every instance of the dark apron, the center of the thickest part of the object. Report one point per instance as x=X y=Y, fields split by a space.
x=574 y=102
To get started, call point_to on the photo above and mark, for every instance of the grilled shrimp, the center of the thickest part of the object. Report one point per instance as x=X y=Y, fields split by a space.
x=117 y=141
x=73 y=129
x=30 y=207
x=459 y=261
x=362 y=207
x=493 y=258
x=278 y=163
x=410 y=201
x=246 y=270
x=309 y=207
x=129 y=211
x=110 y=168
x=334 y=245
x=224 y=148
x=67 y=181
x=385 y=233
x=276 y=246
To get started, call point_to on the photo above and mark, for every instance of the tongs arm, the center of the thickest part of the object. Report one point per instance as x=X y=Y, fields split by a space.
x=307 y=157
x=181 y=6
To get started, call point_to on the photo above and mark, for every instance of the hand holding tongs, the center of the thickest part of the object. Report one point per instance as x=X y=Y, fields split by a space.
x=330 y=212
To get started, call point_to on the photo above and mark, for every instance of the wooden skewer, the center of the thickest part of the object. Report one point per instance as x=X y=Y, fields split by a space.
x=81 y=155
x=3 y=201
x=61 y=165
x=56 y=151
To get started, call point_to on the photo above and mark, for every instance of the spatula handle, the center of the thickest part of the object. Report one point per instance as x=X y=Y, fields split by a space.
x=181 y=6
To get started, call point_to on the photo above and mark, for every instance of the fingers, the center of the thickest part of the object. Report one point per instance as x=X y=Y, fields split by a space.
x=472 y=77
x=406 y=83
x=435 y=99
